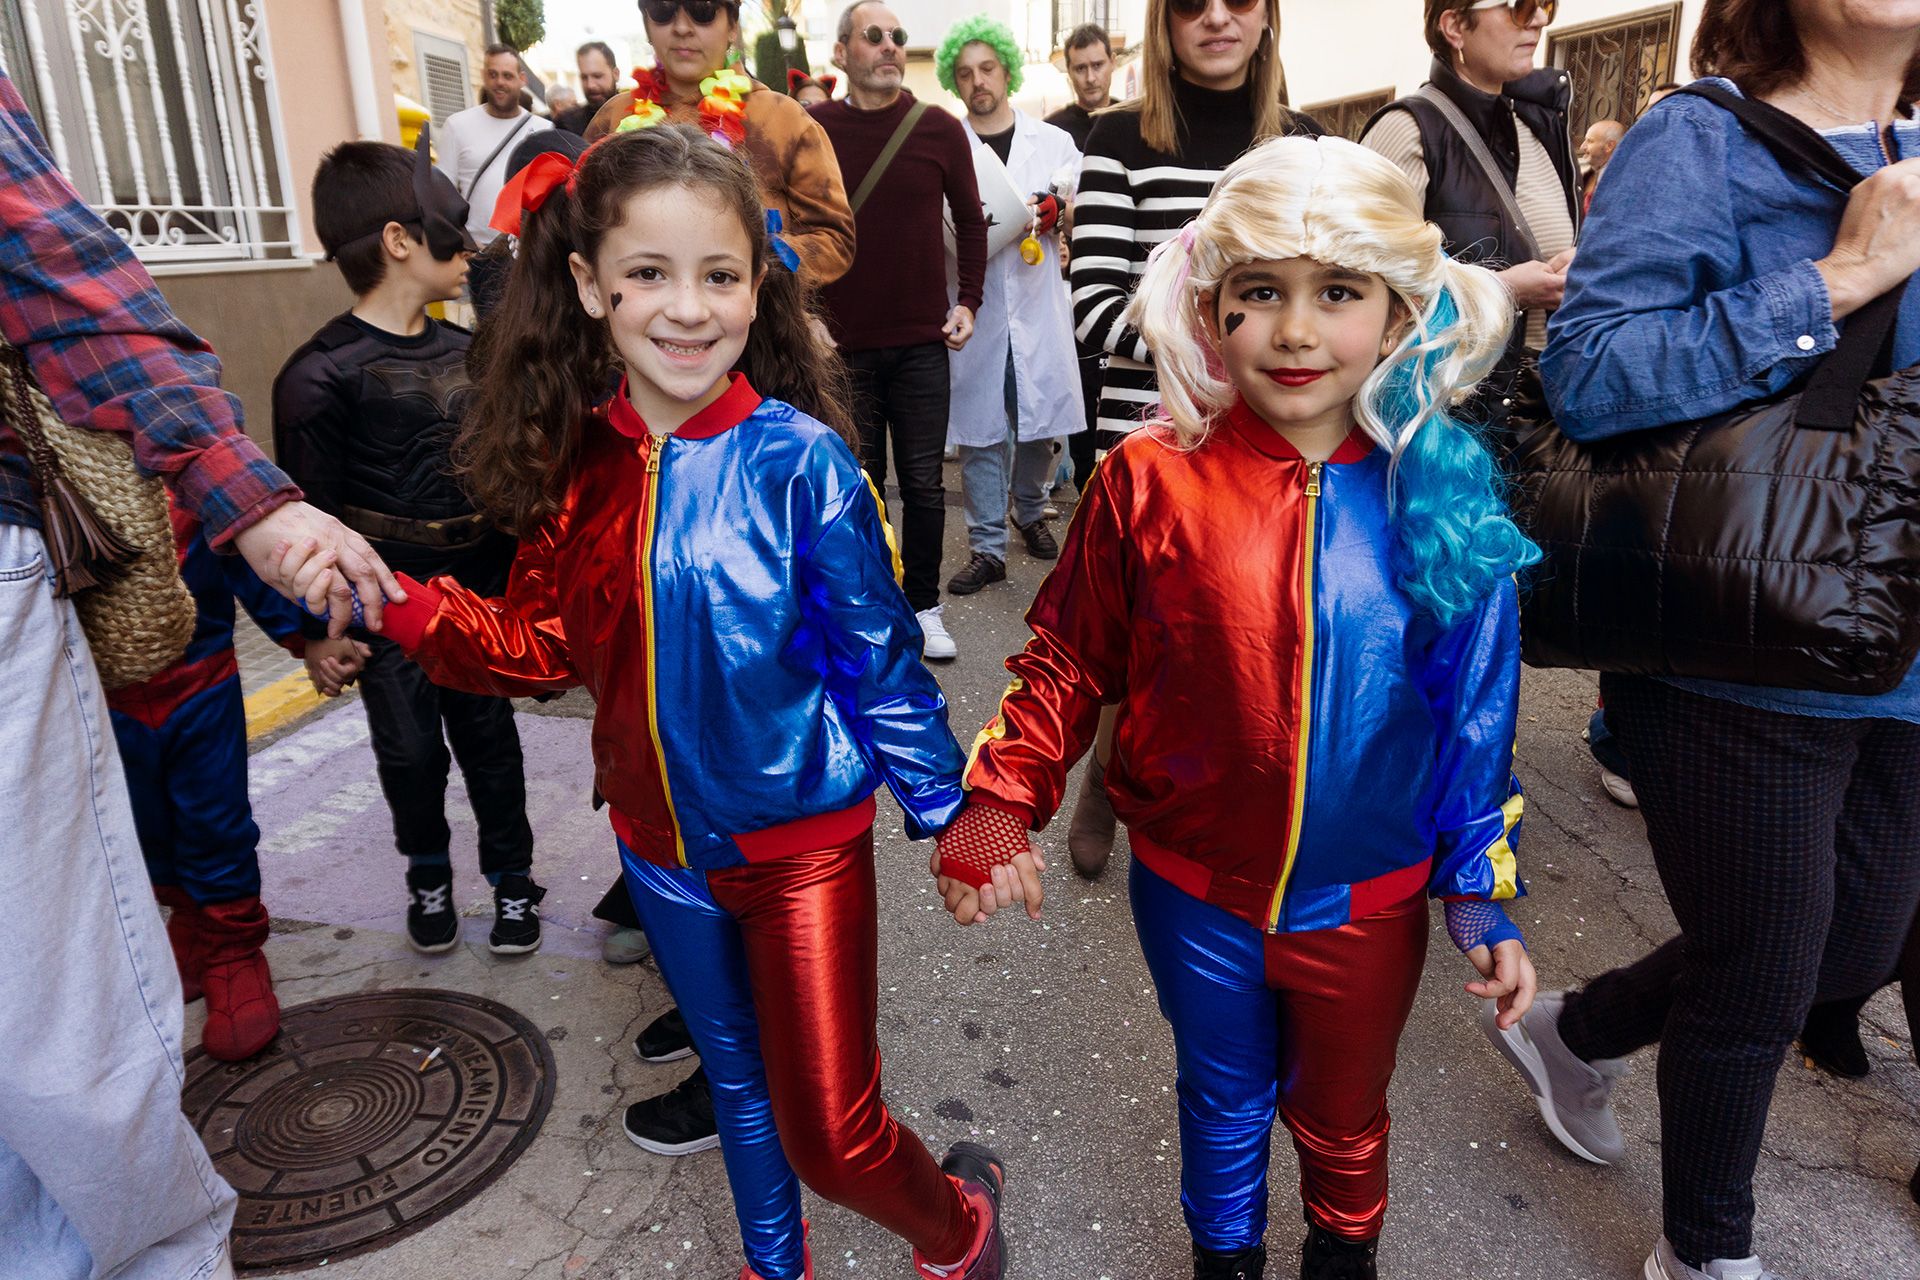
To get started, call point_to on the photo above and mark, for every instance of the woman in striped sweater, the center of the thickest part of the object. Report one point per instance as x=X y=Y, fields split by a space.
x=1212 y=88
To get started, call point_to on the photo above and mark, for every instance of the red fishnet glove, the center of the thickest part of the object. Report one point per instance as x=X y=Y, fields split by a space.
x=979 y=840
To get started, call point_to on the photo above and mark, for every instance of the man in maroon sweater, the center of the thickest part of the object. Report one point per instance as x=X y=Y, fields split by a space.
x=889 y=313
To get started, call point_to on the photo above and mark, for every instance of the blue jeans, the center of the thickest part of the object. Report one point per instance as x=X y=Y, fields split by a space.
x=100 y=1173
x=1013 y=469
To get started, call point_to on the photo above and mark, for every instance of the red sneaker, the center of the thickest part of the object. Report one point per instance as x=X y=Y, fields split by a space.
x=748 y=1273
x=243 y=1015
x=981 y=1177
x=184 y=934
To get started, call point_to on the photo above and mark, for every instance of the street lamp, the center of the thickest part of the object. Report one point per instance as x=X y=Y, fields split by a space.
x=789 y=41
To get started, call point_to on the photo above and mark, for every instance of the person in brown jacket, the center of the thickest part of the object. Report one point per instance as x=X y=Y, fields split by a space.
x=790 y=154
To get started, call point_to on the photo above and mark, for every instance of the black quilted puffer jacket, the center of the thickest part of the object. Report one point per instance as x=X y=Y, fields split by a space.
x=363 y=421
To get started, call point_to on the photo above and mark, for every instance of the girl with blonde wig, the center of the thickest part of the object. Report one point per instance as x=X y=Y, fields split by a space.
x=1297 y=583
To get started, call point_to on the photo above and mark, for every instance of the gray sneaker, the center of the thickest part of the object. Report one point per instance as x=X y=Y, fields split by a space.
x=1664 y=1264
x=1575 y=1097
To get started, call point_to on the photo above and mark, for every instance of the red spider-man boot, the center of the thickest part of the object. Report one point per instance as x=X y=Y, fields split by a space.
x=243 y=1015
x=183 y=932
x=981 y=1178
x=748 y=1273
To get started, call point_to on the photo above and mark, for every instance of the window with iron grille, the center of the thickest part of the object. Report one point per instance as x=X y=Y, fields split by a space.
x=1615 y=64
x=1347 y=117
x=1068 y=14
x=162 y=114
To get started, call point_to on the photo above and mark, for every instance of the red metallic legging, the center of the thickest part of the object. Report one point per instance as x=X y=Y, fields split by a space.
x=775 y=969
x=1307 y=1022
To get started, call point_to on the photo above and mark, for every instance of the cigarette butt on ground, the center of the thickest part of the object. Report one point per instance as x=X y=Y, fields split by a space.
x=428 y=1060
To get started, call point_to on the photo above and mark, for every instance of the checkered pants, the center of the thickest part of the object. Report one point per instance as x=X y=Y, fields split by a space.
x=1789 y=847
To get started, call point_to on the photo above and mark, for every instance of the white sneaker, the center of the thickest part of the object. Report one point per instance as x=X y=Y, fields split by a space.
x=939 y=645
x=1619 y=789
x=1664 y=1264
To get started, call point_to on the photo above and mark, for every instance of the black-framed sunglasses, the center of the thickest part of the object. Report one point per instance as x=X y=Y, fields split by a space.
x=1522 y=10
x=1188 y=10
x=877 y=35
x=703 y=12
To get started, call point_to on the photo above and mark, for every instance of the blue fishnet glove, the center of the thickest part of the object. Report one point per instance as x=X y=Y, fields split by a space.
x=1472 y=923
x=359 y=614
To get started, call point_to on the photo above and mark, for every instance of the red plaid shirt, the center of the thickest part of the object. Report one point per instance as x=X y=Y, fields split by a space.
x=108 y=350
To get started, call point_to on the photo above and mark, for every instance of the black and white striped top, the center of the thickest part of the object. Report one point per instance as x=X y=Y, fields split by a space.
x=1131 y=198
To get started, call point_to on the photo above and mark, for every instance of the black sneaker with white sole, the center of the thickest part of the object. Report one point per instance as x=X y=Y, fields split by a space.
x=677 y=1123
x=516 y=916
x=665 y=1039
x=432 y=923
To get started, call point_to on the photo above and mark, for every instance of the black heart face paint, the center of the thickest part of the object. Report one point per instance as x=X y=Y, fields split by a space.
x=1234 y=320
x=614 y=302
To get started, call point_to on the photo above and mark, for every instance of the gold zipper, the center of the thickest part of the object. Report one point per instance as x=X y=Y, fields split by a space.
x=656 y=456
x=1309 y=549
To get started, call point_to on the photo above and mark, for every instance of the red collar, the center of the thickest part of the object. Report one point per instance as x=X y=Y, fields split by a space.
x=735 y=405
x=1255 y=430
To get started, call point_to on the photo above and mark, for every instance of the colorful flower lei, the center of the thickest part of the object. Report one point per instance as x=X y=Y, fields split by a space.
x=723 y=99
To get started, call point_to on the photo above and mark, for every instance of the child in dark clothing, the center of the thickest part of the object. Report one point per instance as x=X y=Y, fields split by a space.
x=364 y=415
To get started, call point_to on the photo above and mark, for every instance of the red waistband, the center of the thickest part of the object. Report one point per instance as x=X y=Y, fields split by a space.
x=1250 y=901
x=803 y=835
x=153 y=700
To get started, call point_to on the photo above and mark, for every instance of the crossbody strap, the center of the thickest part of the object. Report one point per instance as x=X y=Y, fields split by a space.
x=1832 y=395
x=1477 y=148
x=887 y=153
x=487 y=164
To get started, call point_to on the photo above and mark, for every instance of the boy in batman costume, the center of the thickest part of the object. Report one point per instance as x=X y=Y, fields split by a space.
x=364 y=416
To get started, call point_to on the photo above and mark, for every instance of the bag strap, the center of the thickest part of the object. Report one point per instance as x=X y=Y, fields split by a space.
x=1477 y=148
x=887 y=153
x=1832 y=396
x=487 y=164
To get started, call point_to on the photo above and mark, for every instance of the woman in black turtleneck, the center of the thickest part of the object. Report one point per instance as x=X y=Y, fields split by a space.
x=1212 y=88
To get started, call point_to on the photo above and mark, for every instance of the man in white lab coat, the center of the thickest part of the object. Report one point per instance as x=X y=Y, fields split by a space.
x=1016 y=387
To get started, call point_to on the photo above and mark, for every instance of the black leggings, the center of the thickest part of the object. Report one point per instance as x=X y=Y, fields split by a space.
x=1787 y=846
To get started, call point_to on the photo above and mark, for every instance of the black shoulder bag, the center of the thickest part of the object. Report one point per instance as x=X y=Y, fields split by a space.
x=1778 y=544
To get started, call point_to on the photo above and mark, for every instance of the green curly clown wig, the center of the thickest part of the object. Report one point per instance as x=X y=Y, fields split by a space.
x=982 y=30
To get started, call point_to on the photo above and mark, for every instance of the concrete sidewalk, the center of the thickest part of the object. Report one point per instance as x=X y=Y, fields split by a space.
x=1044 y=1040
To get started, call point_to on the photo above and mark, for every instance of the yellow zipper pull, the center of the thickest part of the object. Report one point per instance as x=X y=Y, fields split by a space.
x=654 y=449
x=1313 y=479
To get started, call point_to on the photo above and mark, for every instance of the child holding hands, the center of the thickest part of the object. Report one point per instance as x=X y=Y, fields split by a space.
x=1297 y=585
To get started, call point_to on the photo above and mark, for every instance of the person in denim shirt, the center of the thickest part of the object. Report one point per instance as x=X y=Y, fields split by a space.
x=1783 y=821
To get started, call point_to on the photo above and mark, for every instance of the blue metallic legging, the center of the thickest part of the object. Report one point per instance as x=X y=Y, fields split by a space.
x=790 y=946
x=1305 y=1021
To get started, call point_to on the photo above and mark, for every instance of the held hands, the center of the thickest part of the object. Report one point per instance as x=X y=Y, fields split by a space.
x=1492 y=944
x=984 y=861
x=333 y=564
x=332 y=664
x=958 y=328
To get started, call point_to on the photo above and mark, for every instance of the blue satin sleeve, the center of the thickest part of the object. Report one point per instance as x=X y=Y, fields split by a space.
x=1473 y=685
x=873 y=643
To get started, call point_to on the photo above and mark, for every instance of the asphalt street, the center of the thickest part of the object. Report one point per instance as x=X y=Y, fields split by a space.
x=1044 y=1040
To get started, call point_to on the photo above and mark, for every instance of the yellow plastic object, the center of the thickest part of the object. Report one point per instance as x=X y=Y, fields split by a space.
x=412 y=116
x=1031 y=253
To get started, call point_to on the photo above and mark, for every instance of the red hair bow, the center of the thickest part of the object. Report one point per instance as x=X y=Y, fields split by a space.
x=528 y=189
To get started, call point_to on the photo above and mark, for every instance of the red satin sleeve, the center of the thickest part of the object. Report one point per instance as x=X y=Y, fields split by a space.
x=511 y=646
x=1075 y=664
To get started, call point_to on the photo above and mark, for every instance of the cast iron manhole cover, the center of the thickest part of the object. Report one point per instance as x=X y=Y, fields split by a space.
x=339 y=1141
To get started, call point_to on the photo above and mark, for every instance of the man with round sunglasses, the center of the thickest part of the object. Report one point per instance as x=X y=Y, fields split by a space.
x=891 y=314
x=1483 y=77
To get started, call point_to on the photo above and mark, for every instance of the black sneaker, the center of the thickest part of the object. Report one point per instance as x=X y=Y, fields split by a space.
x=516 y=916
x=1039 y=540
x=981 y=571
x=677 y=1123
x=665 y=1039
x=980 y=1173
x=432 y=923
x=1241 y=1264
x=1326 y=1256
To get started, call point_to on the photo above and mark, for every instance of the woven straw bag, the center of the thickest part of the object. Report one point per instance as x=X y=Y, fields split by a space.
x=108 y=535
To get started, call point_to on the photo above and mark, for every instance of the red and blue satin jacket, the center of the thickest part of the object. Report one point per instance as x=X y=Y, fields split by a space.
x=215 y=581
x=730 y=596
x=1297 y=742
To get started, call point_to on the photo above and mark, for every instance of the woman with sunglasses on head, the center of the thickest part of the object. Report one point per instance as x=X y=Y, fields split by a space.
x=694 y=81
x=1212 y=87
x=1483 y=72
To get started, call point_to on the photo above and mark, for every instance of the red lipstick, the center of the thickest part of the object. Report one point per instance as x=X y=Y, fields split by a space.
x=1296 y=377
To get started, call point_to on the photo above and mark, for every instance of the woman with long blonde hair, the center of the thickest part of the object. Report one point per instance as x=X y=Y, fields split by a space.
x=1212 y=87
x=1297 y=581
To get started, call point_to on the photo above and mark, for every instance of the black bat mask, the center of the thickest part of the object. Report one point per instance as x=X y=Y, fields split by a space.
x=443 y=214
